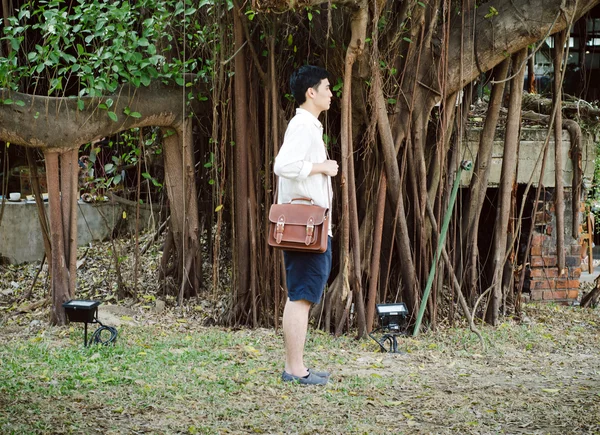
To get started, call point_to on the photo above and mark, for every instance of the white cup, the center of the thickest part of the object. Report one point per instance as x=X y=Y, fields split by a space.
x=15 y=196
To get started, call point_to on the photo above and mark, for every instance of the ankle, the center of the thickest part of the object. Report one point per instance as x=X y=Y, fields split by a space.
x=299 y=372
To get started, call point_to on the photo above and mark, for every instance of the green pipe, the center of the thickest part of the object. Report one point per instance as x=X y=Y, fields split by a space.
x=467 y=166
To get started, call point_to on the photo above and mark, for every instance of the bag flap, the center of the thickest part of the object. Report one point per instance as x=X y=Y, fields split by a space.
x=297 y=214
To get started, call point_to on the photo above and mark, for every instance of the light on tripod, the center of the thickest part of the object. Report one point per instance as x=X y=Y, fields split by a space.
x=392 y=322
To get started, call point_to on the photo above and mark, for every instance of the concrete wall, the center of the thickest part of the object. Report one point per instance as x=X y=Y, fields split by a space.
x=21 y=235
x=530 y=161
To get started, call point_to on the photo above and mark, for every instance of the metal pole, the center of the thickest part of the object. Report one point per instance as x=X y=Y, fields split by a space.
x=467 y=166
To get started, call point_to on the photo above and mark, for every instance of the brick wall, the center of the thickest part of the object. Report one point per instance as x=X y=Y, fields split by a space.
x=546 y=282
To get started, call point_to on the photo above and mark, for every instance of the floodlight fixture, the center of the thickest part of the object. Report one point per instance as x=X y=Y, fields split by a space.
x=392 y=322
x=87 y=312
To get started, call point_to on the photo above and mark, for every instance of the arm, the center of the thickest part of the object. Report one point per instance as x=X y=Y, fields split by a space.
x=291 y=160
x=328 y=167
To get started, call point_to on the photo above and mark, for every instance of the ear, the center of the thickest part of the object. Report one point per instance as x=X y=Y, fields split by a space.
x=310 y=93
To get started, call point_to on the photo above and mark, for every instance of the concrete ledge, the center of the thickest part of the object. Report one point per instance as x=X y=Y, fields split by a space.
x=21 y=236
x=530 y=150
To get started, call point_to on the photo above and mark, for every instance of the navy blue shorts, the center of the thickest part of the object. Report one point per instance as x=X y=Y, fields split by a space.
x=307 y=274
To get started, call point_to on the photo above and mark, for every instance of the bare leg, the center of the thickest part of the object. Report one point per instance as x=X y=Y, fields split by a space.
x=295 y=325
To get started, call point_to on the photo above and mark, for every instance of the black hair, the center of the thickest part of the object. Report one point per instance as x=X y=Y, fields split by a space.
x=305 y=77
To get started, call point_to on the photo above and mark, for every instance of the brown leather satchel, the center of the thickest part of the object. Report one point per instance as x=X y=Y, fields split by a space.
x=299 y=227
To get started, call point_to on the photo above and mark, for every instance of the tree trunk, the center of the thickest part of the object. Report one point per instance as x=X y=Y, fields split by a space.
x=181 y=190
x=241 y=239
x=559 y=197
x=59 y=282
x=395 y=193
x=509 y=162
x=479 y=179
x=376 y=252
x=349 y=217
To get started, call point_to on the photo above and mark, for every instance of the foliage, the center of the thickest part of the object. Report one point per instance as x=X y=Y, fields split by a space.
x=89 y=48
x=105 y=164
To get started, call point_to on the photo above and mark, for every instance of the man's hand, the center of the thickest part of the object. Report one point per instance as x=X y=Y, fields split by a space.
x=328 y=167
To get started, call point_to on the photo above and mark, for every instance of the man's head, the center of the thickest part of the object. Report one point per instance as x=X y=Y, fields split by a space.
x=312 y=83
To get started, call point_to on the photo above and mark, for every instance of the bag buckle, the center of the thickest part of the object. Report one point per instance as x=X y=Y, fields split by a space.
x=310 y=230
x=279 y=229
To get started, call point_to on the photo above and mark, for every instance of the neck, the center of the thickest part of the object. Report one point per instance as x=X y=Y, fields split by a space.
x=310 y=108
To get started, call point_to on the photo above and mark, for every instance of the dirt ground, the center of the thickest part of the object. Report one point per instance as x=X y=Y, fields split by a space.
x=537 y=376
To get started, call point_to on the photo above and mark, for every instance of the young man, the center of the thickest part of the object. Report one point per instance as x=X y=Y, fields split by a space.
x=304 y=171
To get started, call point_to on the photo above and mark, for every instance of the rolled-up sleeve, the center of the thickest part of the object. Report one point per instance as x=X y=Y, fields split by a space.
x=291 y=160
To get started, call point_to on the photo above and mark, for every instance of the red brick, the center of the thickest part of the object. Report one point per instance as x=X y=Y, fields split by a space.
x=537 y=240
x=537 y=295
x=573 y=294
x=569 y=284
x=556 y=294
x=539 y=261
x=536 y=250
x=544 y=272
x=543 y=284
x=549 y=251
x=575 y=272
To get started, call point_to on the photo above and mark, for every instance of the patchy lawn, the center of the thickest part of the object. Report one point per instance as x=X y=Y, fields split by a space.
x=167 y=375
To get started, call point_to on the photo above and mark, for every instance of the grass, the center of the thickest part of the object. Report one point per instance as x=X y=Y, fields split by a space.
x=181 y=378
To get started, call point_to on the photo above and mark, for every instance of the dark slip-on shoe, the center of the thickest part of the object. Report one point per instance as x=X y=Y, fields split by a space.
x=311 y=379
x=321 y=374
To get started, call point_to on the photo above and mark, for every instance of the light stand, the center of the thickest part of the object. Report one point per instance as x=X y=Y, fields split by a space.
x=87 y=312
x=392 y=322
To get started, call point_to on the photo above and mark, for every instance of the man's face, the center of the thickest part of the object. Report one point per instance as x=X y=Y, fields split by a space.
x=321 y=95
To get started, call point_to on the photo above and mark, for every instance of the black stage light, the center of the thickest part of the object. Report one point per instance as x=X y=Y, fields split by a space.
x=392 y=322
x=87 y=312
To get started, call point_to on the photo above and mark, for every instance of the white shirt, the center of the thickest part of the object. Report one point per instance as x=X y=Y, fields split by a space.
x=302 y=146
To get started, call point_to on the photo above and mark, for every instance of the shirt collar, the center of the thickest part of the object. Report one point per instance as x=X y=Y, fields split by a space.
x=301 y=111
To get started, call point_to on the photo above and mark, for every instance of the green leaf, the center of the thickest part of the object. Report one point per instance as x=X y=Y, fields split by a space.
x=492 y=12
x=20 y=103
x=135 y=115
x=113 y=116
x=15 y=44
x=80 y=105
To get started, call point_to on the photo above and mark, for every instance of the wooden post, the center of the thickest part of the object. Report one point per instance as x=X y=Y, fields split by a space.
x=590 y=237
